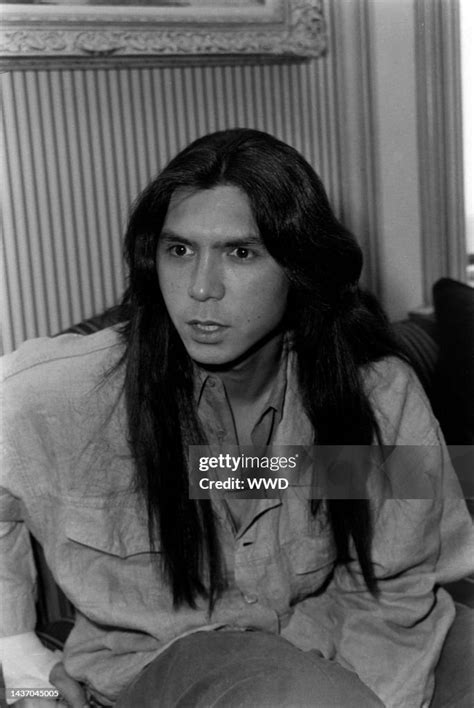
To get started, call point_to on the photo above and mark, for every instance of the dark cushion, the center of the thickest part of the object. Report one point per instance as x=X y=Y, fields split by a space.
x=54 y=635
x=110 y=317
x=454 y=374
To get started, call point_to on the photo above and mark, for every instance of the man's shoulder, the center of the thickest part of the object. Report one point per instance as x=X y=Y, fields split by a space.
x=53 y=373
x=399 y=402
x=73 y=353
x=390 y=374
x=63 y=415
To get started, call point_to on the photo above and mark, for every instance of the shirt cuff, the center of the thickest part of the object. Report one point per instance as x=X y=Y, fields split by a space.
x=26 y=663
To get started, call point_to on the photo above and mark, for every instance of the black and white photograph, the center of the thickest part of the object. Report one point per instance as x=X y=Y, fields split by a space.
x=237 y=354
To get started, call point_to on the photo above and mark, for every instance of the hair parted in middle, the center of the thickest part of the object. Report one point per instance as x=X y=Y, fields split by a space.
x=336 y=330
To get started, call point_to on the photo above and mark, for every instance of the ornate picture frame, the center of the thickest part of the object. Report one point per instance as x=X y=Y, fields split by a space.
x=68 y=32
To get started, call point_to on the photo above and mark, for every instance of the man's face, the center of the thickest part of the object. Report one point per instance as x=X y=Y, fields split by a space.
x=224 y=293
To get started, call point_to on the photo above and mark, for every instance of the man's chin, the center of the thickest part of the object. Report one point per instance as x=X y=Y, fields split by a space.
x=214 y=360
x=214 y=357
x=223 y=356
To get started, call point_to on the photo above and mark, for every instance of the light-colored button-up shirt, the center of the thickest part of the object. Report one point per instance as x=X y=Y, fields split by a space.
x=68 y=481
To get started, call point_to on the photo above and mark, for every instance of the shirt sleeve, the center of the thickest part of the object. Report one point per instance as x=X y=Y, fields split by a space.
x=20 y=448
x=25 y=662
x=17 y=575
x=394 y=641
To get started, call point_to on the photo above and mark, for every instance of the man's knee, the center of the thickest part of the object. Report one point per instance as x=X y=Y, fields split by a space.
x=244 y=669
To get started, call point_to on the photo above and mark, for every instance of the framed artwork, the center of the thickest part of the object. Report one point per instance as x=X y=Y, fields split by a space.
x=59 y=32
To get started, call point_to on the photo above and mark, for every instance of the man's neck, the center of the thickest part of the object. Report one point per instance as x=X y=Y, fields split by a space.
x=250 y=380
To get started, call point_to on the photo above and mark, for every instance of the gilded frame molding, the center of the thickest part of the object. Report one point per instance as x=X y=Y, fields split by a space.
x=200 y=31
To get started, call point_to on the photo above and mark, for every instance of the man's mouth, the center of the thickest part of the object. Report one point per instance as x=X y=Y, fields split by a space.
x=206 y=325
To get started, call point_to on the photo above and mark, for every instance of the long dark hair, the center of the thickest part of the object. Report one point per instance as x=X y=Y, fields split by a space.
x=337 y=329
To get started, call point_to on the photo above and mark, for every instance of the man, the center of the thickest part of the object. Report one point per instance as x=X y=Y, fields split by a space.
x=245 y=326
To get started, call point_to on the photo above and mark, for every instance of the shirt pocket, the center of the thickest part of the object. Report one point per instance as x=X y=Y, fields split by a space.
x=311 y=560
x=112 y=530
x=104 y=563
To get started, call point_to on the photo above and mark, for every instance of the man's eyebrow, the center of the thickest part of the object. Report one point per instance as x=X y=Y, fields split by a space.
x=241 y=241
x=237 y=242
x=171 y=237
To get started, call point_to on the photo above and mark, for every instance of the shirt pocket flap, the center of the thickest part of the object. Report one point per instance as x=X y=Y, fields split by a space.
x=310 y=554
x=117 y=531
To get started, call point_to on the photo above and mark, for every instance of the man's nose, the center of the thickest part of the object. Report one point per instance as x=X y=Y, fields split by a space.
x=206 y=280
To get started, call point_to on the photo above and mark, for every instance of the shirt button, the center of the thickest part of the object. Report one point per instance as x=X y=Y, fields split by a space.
x=211 y=382
x=220 y=434
x=251 y=598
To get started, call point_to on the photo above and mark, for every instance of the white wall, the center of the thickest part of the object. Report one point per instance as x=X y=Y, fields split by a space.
x=394 y=95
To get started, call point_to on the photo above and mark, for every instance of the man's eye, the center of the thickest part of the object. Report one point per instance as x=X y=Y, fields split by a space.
x=179 y=250
x=243 y=254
